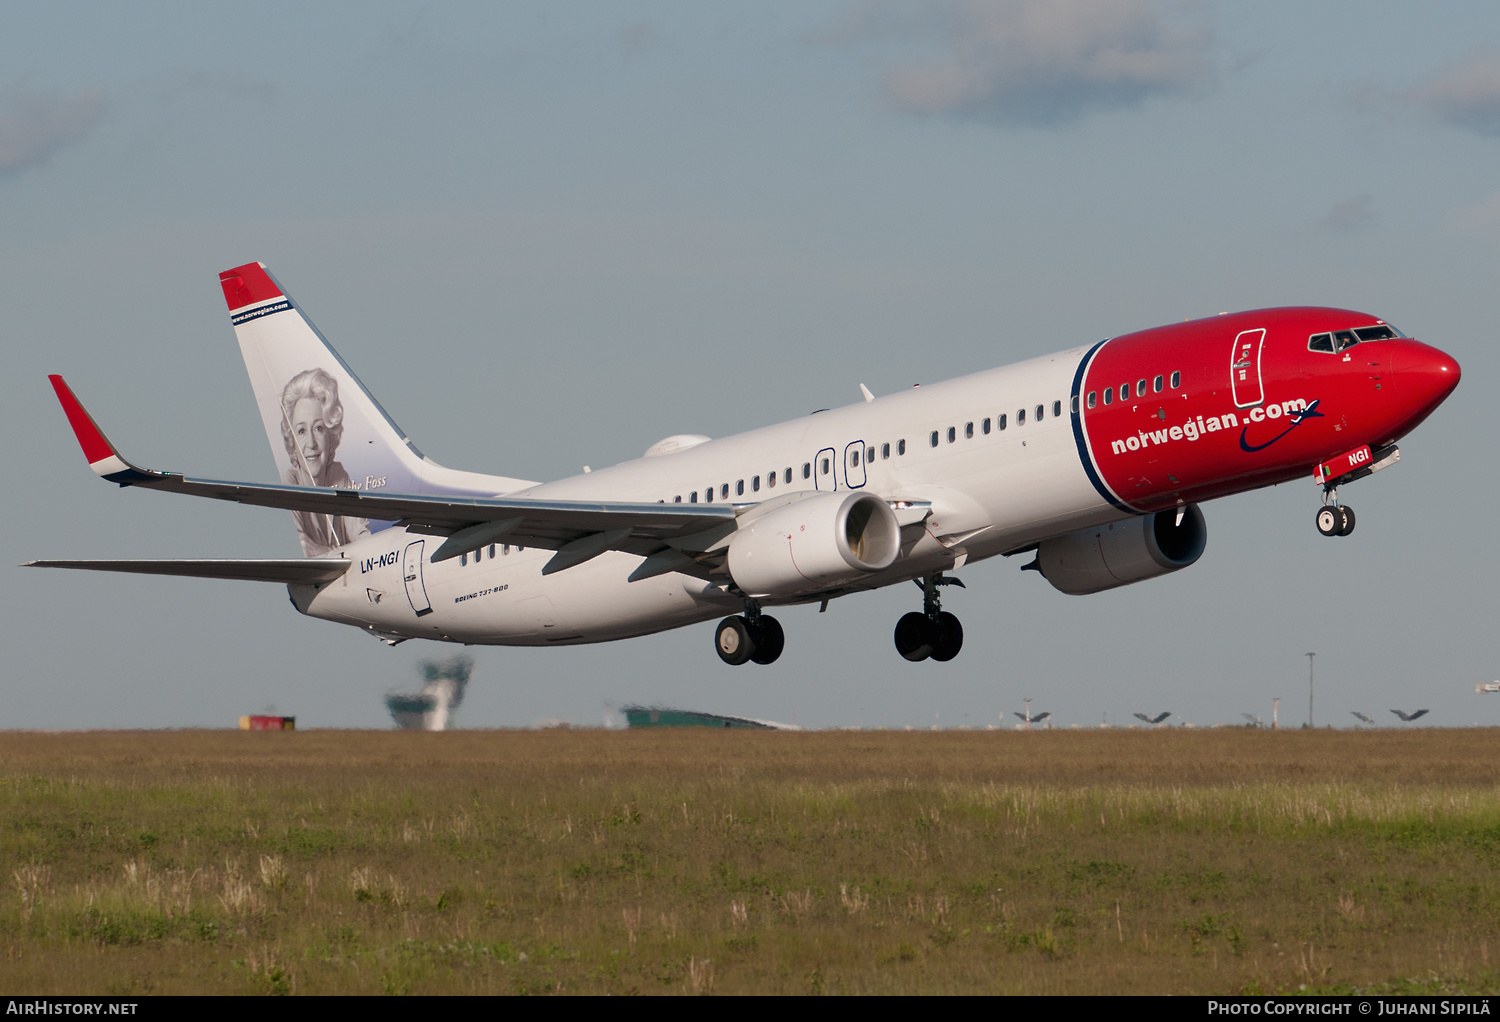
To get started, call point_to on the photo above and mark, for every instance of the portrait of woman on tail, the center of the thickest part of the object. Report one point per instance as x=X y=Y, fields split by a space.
x=312 y=424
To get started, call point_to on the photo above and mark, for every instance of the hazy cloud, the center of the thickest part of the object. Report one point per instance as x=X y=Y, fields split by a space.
x=215 y=85
x=1038 y=62
x=636 y=38
x=1351 y=215
x=1466 y=92
x=34 y=125
x=1481 y=219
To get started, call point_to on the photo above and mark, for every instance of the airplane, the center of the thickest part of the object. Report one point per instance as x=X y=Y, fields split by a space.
x=1156 y=719
x=1361 y=716
x=1094 y=460
x=1413 y=715
x=1488 y=687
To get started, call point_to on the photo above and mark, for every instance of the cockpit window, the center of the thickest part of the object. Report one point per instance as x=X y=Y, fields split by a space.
x=1340 y=340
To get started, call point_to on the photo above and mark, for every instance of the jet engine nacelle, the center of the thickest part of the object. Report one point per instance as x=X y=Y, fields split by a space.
x=1107 y=556
x=820 y=542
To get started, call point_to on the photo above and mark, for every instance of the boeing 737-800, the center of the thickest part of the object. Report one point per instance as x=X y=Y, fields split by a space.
x=1094 y=459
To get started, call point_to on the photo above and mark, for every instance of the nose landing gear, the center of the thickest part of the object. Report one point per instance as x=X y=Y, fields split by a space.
x=1334 y=519
x=750 y=637
x=934 y=632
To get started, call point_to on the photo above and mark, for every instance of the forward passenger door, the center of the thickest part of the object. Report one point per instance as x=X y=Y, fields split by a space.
x=854 y=465
x=1244 y=368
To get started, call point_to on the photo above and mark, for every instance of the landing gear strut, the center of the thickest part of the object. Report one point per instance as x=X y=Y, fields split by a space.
x=751 y=636
x=934 y=632
x=1334 y=519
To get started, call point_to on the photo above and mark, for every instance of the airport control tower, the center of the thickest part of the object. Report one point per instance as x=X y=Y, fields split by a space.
x=431 y=709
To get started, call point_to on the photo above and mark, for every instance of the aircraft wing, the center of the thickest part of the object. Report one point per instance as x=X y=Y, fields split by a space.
x=303 y=570
x=578 y=530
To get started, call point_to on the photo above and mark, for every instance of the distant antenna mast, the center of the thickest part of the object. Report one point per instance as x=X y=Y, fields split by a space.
x=1310 y=688
x=1275 y=707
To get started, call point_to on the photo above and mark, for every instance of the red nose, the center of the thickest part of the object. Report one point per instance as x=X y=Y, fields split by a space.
x=1425 y=376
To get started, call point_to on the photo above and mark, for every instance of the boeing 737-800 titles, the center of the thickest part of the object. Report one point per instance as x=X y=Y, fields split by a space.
x=1094 y=459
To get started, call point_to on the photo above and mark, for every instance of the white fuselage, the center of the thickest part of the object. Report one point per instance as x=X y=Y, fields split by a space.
x=991 y=492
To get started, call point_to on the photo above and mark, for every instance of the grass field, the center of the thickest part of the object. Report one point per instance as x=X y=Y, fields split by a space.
x=700 y=861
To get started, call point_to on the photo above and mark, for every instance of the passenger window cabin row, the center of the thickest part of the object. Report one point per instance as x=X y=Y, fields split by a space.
x=502 y=550
x=1000 y=422
x=1158 y=384
x=786 y=475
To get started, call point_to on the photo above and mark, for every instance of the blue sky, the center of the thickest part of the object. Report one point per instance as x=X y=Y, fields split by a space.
x=547 y=235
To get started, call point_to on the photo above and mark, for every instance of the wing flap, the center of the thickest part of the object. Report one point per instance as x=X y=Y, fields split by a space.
x=302 y=571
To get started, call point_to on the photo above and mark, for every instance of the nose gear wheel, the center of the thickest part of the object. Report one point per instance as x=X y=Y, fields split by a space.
x=1335 y=519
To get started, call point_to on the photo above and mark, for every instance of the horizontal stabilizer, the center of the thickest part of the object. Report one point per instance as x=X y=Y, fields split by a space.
x=302 y=571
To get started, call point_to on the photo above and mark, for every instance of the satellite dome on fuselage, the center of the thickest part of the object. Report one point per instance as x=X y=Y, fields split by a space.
x=676 y=442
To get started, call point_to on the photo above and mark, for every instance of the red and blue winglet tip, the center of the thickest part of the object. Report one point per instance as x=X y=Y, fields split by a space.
x=103 y=458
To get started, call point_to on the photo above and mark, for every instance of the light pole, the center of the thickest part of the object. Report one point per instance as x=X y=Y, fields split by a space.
x=1310 y=689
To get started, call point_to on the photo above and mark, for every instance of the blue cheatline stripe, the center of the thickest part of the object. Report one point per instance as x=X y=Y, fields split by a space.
x=264 y=310
x=1083 y=448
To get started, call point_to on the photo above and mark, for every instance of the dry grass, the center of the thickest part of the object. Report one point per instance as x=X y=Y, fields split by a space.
x=727 y=862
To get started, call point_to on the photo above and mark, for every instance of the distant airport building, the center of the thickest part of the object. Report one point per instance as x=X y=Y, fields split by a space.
x=263 y=723
x=414 y=712
x=657 y=716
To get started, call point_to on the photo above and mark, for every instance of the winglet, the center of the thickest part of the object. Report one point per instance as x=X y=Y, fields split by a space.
x=103 y=458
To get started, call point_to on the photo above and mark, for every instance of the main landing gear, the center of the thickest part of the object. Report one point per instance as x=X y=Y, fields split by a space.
x=934 y=632
x=751 y=636
x=1335 y=519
